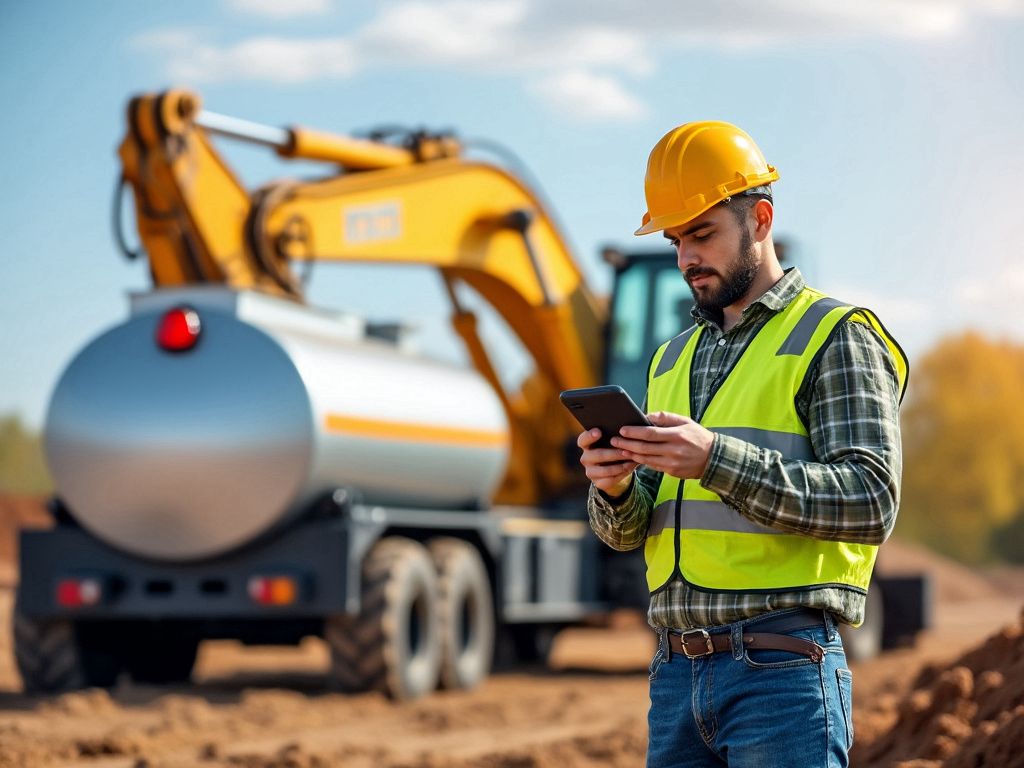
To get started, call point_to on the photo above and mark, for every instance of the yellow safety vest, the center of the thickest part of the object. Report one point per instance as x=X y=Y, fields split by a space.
x=693 y=535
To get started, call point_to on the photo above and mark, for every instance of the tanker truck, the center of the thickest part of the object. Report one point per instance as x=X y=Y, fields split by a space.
x=232 y=462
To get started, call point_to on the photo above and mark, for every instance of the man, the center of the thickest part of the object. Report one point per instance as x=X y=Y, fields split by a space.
x=766 y=483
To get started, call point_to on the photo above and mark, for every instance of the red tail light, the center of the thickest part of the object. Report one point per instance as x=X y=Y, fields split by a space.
x=179 y=329
x=273 y=590
x=74 y=593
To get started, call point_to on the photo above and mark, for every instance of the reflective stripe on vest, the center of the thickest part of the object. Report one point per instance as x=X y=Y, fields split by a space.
x=693 y=534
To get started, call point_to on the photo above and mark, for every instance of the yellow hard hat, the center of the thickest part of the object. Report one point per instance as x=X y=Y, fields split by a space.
x=696 y=166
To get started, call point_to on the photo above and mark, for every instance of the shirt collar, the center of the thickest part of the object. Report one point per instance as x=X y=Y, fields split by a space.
x=775 y=299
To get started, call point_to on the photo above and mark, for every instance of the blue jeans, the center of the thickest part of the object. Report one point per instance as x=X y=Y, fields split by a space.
x=752 y=708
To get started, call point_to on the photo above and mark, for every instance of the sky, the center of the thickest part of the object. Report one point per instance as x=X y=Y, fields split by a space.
x=896 y=126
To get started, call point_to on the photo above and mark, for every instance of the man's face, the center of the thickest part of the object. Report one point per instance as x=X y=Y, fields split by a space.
x=717 y=257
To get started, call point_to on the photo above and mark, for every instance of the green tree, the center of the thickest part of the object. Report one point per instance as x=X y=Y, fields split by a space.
x=1008 y=540
x=963 y=441
x=22 y=466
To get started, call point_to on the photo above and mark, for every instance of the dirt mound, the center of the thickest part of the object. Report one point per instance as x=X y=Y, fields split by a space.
x=962 y=715
x=622 y=748
x=513 y=721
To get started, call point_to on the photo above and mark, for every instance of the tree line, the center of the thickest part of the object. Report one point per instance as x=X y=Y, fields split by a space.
x=963 y=450
x=22 y=466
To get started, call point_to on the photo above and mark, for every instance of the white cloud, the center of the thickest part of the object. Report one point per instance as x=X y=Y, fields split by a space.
x=909 y=318
x=1003 y=289
x=894 y=310
x=993 y=303
x=270 y=59
x=1001 y=7
x=756 y=24
x=282 y=9
x=589 y=96
x=743 y=25
x=577 y=55
x=496 y=35
x=576 y=69
x=450 y=32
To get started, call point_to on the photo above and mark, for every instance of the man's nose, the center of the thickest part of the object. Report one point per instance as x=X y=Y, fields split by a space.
x=686 y=257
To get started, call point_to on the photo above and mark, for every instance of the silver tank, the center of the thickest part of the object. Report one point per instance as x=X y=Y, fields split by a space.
x=187 y=455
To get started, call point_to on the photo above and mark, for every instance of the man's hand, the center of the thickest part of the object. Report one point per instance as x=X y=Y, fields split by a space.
x=675 y=445
x=605 y=467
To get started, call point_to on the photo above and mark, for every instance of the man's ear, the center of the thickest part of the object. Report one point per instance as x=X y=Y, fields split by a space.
x=764 y=215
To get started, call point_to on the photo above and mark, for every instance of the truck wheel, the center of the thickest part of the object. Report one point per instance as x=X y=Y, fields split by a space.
x=393 y=645
x=865 y=642
x=466 y=613
x=53 y=655
x=160 y=653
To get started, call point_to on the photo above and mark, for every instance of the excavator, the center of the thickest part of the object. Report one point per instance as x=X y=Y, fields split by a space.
x=234 y=462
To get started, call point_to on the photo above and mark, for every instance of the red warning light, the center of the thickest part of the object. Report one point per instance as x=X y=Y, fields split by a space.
x=178 y=330
x=273 y=590
x=75 y=593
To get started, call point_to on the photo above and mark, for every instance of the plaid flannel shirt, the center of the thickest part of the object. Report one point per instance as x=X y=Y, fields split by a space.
x=849 y=401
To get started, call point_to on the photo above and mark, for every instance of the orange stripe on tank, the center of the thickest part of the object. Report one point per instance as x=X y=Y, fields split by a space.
x=417 y=433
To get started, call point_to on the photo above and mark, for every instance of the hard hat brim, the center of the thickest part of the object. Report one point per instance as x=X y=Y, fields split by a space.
x=679 y=218
x=672 y=220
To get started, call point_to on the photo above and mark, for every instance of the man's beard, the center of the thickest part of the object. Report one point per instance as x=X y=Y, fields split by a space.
x=734 y=283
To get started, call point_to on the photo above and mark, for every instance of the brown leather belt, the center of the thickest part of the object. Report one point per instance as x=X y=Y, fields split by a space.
x=697 y=643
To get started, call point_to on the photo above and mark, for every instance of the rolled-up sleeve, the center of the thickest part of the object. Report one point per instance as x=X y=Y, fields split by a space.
x=851 y=405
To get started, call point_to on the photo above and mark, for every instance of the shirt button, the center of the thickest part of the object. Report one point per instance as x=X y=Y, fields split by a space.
x=721 y=342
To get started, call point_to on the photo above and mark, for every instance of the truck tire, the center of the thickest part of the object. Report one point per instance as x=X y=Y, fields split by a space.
x=393 y=645
x=865 y=642
x=160 y=653
x=53 y=655
x=466 y=613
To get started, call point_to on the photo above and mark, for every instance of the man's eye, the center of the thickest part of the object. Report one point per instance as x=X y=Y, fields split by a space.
x=703 y=236
x=673 y=243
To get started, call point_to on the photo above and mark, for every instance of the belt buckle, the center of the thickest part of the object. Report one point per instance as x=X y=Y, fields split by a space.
x=709 y=648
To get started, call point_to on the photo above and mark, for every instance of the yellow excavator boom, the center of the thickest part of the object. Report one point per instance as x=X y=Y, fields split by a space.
x=422 y=203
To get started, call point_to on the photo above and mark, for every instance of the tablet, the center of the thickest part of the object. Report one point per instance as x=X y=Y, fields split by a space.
x=608 y=408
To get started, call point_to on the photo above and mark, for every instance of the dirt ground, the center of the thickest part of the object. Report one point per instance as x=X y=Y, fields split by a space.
x=267 y=707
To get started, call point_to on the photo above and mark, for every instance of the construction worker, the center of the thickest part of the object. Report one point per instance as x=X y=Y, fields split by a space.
x=768 y=480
